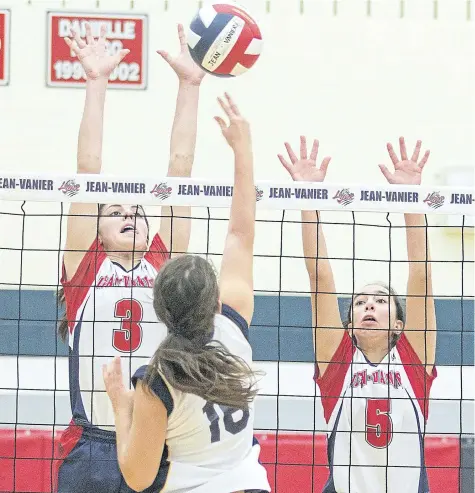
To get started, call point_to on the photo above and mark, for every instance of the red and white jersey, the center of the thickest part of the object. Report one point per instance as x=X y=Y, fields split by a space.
x=110 y=313
x=376 y=417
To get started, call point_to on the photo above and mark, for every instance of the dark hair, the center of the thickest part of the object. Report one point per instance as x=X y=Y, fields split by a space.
x=60 y=297
x=186 y=300
x=63 y=323
x=400 y=310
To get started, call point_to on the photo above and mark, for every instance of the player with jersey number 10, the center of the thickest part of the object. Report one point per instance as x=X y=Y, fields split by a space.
x=191 y=416
x=224 y=39
x=375 y=369
x=109 y=267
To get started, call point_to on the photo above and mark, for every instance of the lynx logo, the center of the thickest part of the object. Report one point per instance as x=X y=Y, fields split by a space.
x=259 y=194
x=344 y=196
x=162 y=191
x=70 y=188
x=434 y=200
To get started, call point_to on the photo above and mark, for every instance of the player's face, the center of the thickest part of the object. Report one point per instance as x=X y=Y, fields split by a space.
x=123 y=228
x=374 y=314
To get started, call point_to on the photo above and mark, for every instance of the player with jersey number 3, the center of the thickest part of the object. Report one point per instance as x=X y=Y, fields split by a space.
x=191 y=415
x=109 y=266
x=374 y=370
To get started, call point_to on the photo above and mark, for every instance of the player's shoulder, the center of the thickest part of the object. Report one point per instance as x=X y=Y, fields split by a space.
x=232 y=331
x=229 y=319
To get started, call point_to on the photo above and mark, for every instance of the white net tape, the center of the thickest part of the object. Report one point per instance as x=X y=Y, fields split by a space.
x=210 y=193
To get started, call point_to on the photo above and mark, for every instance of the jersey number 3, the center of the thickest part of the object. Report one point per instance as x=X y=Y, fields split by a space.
x=379 y=425
x=128 y=338
x=231 y=426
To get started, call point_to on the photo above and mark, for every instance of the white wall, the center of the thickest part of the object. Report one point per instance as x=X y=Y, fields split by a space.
x=352 y=81
x=288 y=400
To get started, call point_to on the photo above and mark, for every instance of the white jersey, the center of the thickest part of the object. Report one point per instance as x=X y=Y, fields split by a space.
x=110 y=313
x=376 y=417
x=209 y=448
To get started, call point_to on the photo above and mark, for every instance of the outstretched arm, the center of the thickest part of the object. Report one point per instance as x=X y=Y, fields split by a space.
x=98 y=65
x=236 y=276
x=420 y=327
x=175 y=225
x=326 y=321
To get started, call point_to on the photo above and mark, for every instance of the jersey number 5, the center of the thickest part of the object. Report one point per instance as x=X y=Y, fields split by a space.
x=231 y=426
x=128 y=338
x=379 y=425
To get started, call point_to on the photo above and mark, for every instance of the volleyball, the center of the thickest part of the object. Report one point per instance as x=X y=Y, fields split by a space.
x=224 y=39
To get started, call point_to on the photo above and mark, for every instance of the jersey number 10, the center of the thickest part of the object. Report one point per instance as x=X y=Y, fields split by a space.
x=231 y=426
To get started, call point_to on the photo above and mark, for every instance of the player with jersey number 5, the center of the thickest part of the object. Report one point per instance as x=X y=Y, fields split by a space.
x=191 y=415
x=109 y=267
x=375 y=369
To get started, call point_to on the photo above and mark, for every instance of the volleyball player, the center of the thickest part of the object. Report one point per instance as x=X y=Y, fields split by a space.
x=191 y=415
x=109 y=267
x=376 y=368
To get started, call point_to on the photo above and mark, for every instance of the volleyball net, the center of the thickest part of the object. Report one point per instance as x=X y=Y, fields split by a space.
x=365 y=234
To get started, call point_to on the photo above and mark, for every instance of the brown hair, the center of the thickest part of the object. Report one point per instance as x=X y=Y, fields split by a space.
x=400 y=311
x=63 y=323
x=60 y=297
x=186 y=300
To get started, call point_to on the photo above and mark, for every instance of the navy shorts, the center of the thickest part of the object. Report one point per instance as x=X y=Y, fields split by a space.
x=86 y=462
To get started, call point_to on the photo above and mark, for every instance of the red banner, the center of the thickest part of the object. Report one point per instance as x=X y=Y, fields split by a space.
x=123 y=32
x=4 y=47
x=25 y=461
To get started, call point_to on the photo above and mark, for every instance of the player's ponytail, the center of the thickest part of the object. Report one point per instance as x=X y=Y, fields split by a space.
x=186 y=299
x=63 y=323
x=207 y=370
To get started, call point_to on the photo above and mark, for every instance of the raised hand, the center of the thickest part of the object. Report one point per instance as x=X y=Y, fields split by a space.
x=237 y=133
x=406 y=171
x=183 y=65
x=93 y=55
x=305 y=168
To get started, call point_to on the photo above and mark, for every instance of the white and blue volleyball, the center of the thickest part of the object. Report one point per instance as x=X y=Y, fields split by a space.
x=224 y=39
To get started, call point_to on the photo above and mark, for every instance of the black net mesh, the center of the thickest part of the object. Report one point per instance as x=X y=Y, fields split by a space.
x=290 y=425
